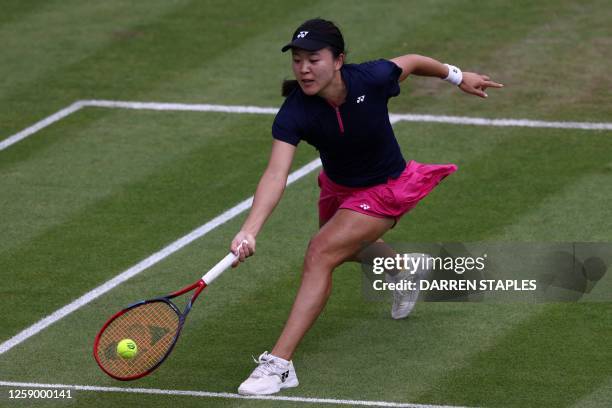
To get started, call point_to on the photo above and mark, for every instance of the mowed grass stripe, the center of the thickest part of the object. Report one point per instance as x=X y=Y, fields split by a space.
x=551 y=224
x=553 y=358
x=549 y=345
x=579 y=212
x=598 y=398
x=553 y=218
x=518 y=44
x=573 y=29
x=16 y=10
x=407 y=29
x=525 y=349
x=199 y=67
x=160 y=52
x=92 y=154
x=525 y=63
x=502 y=174
x=41 y=43
x=258 y=81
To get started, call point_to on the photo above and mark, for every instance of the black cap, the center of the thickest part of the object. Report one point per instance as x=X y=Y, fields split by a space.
x=310 y=40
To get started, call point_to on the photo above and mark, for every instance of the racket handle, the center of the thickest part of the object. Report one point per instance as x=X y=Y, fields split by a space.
x=220 y=267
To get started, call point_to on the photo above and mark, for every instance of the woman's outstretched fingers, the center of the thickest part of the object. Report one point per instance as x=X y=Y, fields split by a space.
x=492 y=84
x=476 y=84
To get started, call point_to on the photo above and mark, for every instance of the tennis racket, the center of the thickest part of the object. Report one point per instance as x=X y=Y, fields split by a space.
x=154 y=325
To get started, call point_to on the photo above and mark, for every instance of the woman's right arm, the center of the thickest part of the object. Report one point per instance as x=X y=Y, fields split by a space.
x=268 y=194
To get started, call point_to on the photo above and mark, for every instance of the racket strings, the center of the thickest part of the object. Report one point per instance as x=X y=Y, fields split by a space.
x=152 y=326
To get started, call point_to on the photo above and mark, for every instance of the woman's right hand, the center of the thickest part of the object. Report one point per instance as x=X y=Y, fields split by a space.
x=245 y=250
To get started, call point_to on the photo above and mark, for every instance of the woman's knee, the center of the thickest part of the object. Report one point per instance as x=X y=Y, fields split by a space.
x=321 y=255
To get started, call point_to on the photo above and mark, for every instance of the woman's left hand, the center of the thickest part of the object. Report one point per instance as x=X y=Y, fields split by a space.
x=476 y=84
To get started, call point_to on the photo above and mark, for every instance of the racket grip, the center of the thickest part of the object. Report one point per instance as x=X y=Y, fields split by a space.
x=219 y=268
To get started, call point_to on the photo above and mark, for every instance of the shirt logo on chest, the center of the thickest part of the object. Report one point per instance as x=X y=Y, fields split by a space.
x=361 y=99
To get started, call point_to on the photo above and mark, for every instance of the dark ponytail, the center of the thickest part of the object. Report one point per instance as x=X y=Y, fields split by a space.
x=322 y=26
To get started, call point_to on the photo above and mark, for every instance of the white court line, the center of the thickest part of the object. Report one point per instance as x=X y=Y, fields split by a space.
x=189 y=107
x=40 y=125
x=156 y=391
x=145 y=263
x=464 y=120
x=395 y=117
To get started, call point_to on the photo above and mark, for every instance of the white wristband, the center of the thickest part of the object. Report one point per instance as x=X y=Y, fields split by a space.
x=455 y=76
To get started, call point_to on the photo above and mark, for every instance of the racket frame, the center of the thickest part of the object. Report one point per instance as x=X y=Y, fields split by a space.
x=198 y=286
x=202 y=283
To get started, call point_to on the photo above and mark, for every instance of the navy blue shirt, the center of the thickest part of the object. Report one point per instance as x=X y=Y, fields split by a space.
x=355 y=140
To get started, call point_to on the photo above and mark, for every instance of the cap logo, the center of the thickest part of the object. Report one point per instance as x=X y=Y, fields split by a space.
x=302 y=34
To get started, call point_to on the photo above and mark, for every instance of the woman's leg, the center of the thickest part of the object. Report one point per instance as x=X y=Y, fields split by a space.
x=368 y=253
x=377 y=249
x=340 y=239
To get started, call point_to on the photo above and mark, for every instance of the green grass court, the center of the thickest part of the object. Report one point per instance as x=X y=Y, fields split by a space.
x=95 y=193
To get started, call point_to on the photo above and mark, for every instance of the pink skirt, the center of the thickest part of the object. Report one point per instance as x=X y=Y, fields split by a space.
x=390 y=200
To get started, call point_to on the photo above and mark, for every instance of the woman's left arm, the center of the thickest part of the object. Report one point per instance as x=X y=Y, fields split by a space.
x=472 y=83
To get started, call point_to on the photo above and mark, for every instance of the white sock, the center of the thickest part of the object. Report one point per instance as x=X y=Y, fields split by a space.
x=282 y=360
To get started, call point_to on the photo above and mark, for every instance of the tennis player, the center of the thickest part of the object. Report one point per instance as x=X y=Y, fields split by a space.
x=366 y=184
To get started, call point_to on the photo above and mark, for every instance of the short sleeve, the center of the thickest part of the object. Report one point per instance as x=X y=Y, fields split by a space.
x=385 y=73
x=285 y=127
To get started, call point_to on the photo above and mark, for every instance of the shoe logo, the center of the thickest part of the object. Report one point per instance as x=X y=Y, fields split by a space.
x=364 y=206
x=284 y=376
x=302 y=34
x=361 y=99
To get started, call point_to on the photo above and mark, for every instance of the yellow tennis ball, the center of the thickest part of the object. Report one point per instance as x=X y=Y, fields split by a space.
x=127 y=349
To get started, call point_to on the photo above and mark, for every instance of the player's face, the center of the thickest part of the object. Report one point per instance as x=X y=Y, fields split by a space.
x=314 y=70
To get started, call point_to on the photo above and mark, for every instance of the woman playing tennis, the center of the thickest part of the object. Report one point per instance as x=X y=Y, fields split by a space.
x=366 y=184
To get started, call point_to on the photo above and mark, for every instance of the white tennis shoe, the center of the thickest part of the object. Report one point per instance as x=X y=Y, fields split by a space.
x=270 y=376
x=405 y=300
